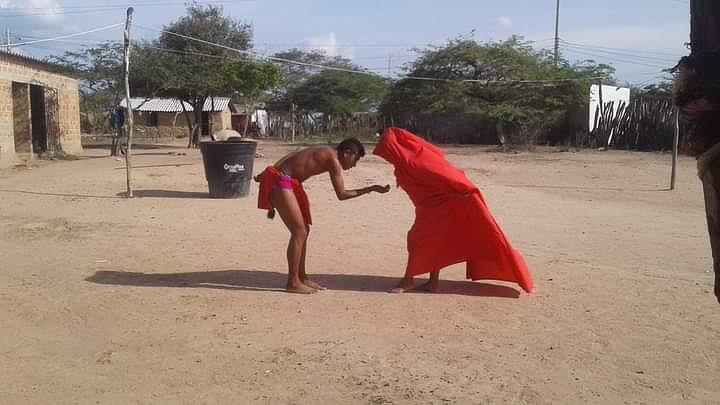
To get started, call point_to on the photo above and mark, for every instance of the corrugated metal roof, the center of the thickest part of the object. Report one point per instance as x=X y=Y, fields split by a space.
x=173 y=105
x=220 y=104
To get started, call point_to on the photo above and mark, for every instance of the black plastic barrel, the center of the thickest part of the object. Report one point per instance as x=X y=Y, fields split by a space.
x=228 y=167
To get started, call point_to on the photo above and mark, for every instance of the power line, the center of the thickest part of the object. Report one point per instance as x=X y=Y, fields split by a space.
x=89 y=41
x=289 y=61
x=255 y=55
x=617 y=60
x=134 y=4
x=307 y=44
x=384 y=68
x=174 y=51
x=94 y=9
x=365 y=72
x=395 y=56
x=623 y=55
x=189 y=53
x=632 y=51
x=45 y=47
x=77 y=34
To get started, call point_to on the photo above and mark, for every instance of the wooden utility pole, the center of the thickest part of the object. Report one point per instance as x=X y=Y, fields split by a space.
x=676 y=138
x=128 y=104
x=557 y=32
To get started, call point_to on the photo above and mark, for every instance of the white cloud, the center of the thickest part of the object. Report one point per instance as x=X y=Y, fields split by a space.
x=44 y=11
x=505 y=22
x=328 y=43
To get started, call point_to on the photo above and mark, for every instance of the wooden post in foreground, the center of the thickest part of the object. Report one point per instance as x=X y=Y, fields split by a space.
x=128 y=104
x=676 y=137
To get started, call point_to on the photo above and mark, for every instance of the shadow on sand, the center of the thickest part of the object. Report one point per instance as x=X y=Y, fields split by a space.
x=271 y=281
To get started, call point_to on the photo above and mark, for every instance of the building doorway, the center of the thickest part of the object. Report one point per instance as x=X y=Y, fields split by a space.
x=38 y=119
x=36 y=126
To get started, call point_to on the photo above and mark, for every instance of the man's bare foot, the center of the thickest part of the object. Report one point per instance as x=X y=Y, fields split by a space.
x=313 y=284
x=432 y=286
x=300 y=288
x=406 y=284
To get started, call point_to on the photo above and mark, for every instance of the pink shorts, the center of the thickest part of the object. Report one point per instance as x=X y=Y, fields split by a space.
x=285 y=182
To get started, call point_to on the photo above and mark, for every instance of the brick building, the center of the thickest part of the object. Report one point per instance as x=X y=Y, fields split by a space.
x=39 y=110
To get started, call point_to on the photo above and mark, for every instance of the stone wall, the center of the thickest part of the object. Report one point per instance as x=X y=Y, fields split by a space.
x=7 y=142
x=150 y=134
x=174 y=120
x=22 y=127
x=64 y=89
x=175 y=125
x=224 y=120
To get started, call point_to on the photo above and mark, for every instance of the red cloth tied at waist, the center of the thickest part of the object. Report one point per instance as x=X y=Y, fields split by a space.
x=271 y=178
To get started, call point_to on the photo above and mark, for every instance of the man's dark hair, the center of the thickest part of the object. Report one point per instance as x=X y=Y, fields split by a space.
x=353 y=145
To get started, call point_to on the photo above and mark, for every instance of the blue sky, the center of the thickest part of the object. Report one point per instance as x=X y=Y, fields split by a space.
x=638 y=37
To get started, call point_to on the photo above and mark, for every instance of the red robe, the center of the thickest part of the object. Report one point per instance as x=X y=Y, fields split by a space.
x=452 y=221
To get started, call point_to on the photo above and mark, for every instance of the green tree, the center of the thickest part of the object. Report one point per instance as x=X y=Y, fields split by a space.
x=326 y=99
x=487 y=82
x=191 y=71
x=100 y=71
x=298 y=69
x=663 y=89
x=336 y=93
x=326 y=96
x=251 y=80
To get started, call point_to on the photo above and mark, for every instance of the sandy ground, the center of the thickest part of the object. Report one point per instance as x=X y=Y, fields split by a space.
x=173 y=297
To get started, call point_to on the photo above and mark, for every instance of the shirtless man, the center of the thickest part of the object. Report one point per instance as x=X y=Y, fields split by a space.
x=281 y=189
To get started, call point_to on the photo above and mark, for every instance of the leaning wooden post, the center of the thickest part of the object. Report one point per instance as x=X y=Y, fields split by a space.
x=128 y=104
x=601 y=111
x=676 y=137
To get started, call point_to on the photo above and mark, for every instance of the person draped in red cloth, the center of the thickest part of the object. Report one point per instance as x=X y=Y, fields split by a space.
x=452 y=221
x=281 y=189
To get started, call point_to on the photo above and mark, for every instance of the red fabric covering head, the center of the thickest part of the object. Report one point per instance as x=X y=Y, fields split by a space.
x=452 y=221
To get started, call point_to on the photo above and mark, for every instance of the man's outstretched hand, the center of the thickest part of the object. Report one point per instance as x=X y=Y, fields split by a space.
x=380 y=189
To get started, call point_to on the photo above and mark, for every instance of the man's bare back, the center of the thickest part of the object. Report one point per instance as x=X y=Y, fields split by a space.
x=308 y=162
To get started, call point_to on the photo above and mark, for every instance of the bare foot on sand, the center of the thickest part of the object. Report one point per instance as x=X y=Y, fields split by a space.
x=432 y=286
x=313 y=284
x=299 y=288
x=406 y=284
